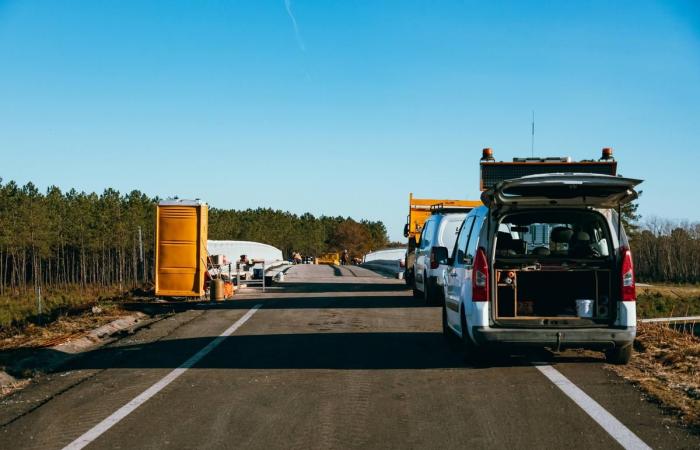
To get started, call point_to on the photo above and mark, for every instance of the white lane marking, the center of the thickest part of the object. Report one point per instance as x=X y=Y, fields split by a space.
x=127 y=409
x=623 y=435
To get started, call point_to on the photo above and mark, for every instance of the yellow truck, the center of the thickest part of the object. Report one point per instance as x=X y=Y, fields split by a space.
x=419 y=209
x=329 y=258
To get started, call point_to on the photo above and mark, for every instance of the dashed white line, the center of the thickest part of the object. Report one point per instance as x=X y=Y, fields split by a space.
x=142 y=398
x=623 y=435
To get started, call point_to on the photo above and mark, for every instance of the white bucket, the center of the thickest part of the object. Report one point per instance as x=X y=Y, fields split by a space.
x=584 y=308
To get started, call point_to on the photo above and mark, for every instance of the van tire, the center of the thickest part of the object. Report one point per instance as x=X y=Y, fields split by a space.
x=434 y=295
x=473 y=353
x=446 y=331
x=427 y=291
x=467 y=342
x=619 y=355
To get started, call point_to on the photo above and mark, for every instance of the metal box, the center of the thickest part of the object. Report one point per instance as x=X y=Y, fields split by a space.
x=181 y=248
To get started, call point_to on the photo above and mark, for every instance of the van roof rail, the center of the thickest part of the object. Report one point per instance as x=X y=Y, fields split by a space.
x=441 y=208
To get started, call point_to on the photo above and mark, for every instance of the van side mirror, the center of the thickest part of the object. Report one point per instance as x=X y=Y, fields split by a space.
x=438 y=256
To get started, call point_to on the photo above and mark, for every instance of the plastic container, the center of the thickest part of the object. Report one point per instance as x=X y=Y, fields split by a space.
x=584 y=308
x=216 y=290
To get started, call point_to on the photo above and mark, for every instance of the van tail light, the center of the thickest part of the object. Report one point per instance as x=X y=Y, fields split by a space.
x=480 y=277
x=628 y=289
x=402 y=263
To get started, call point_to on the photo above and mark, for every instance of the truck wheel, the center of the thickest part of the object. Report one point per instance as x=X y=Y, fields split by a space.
x=619 y=355
x=416 y=292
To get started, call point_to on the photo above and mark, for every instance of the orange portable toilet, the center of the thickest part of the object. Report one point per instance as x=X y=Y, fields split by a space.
x=181 y=248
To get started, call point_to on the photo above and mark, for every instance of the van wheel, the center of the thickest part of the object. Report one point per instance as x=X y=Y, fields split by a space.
x=446 y=331
x=619 y=355
x=467 y=342
x=427 y=297
x=472 y=352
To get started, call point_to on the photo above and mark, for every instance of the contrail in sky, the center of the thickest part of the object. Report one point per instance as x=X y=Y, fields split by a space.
x=288 y=6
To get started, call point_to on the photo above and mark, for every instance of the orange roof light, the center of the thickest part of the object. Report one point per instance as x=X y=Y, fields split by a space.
x=487 y=154
x=607 y=154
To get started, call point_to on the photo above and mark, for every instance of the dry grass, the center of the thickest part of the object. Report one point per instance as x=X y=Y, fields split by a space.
x=18 y=309
x=8 y=389
x=672 y=290
x=666 y=366
x=62 y=329
x=668 y=301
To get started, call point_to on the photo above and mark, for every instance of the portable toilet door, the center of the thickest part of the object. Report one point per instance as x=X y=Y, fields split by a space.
x=181 y=252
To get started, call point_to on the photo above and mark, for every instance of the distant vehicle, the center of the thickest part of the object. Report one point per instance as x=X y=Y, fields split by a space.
x=329 y=258
x=391 y=261
x=418 y=213
x=572 y=287
x=437 y=242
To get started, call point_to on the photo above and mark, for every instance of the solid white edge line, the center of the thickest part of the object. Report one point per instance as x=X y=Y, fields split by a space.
x=623 y=435
x=139 y=400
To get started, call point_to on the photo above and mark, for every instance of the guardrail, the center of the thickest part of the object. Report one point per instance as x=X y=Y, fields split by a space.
x=685 y=319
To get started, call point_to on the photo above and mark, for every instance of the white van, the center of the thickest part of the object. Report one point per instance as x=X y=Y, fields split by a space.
x=546 y=262
x=436 y=243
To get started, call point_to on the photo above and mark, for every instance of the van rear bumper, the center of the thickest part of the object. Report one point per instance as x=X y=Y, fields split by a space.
x=606 y=337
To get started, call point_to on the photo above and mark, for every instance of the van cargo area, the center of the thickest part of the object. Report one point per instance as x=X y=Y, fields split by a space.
x=550 y=297
x=554 y=268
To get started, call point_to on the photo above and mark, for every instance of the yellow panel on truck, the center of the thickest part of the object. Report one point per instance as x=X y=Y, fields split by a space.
x=181 y=248
x=419 y=209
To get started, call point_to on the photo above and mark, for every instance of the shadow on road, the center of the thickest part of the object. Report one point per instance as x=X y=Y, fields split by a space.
x=339 y=351
x=321 y=286
x=282 y=302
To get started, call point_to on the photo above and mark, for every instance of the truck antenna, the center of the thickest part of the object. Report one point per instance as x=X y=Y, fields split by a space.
x=532 y=142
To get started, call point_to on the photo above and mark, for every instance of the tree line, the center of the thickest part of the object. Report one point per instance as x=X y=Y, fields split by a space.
x=60 y=239
x=72 y=238
x=304 y=233
x=667 y=251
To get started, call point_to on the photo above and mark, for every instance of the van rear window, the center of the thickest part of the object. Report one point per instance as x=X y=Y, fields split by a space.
x=556 y=234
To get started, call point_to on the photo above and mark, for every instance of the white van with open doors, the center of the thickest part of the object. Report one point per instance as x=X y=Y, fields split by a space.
x=545 y=262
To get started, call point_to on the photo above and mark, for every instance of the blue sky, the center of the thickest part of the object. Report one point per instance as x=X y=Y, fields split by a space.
x=364 y=102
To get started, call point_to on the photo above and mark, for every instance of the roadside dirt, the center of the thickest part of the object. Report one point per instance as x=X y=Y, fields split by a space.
x=666 y=366
x=20 y=340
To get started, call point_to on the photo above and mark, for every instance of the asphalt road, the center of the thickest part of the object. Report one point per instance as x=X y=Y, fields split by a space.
x=338 y=358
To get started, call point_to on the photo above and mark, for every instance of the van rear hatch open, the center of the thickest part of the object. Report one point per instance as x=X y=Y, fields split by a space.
x=555 y=264
x=562 y=189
